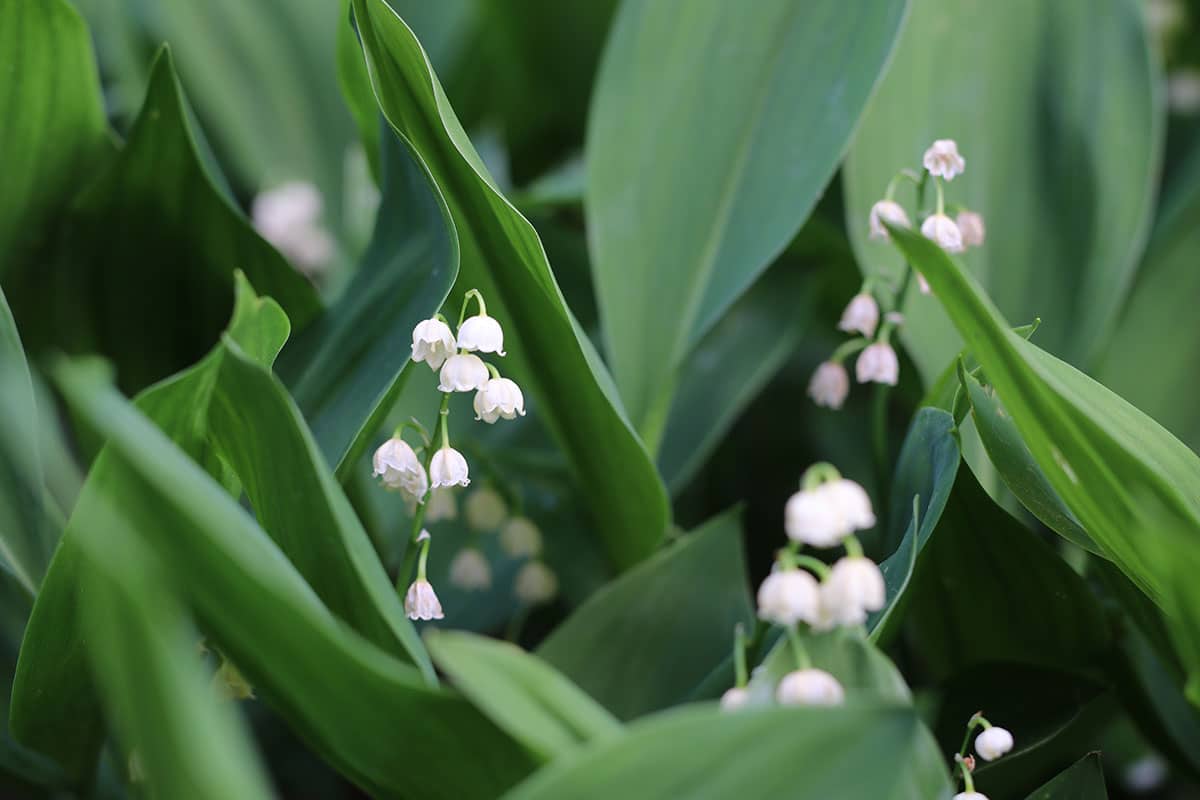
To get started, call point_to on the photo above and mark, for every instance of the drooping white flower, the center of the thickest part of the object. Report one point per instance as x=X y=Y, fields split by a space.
x=826 y=514
x=810 y=687
x=463 y=372
x=448 y=468
x=734 y=698
x=861 y=314
x=886 y=211
x=787 y=597
x=397 y=467
x=970 y=225
x=1145 y=775
x=993 y=743
x=421 y=602
x=499 y=397
x=288 y=216
x=482 y=333
x=520 y=537
x=470 y=570
x=485 y=509
x=535 y=583
x=829 y=385
x=854 y=586
x=970 y=796
x=1163 y=17
x=878 y=363
x=943 y=232
x=942 y=159
x=432 y=342
x=1183 y=91
x=852 y=503
x=441 y=506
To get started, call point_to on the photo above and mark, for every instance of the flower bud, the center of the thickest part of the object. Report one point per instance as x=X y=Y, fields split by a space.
x=878 y=363
x=890 y=212
x=397 y=467
x=463 y=372
x=943 y=232
x=485 y=509
x=829 y=385
x=421 y=602
x=854 y=586
x=970 y=225
x=993 y=743
x=810 y=687
x=448 y=468
x=787 y=597
x=861 y=314
x=441 y=506
x=826 y=514
x=499 y=397
x=482 y=333
x=432 y=342
x=535 y=583
x=942 y=159
x=470 y=570
x=734 y=698
x=520 y=537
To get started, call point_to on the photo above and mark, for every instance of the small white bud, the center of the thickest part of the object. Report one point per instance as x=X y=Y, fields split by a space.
x=890 y=212
x=829 y=385
x=970 y=796
x=421 y=602
x=535 y=583
x=448 y=468
x=520 y=537
x=923 y=284
x=463 y=372
x=970 y=225
x=734 y=698
x=787 y=597
x=397 y=467
x=1183 y=91
x=861 y=314
x=482 y=333
x=441 y=506
x=485 y=509
x=854 y=586
x=943 y=232
x=993 y=743
x=470 y=570
x=878 y=363
x=810 y=687
x=826 y=514
x=432 y=342
x=942 y=159
x=499 y=398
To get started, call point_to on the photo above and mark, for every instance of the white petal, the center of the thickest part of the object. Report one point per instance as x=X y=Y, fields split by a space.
x=482 y=333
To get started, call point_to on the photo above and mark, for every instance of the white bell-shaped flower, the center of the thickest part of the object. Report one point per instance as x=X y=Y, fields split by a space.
x=421 y=602
x=852 y=503
x=943 y=232
x=535 y=583
x=482 y=333
x=499 y=398
x=826 y=514
x=993 y=743
x=970 y=796
x=521 y=538
x=441 y=506
x=829 y=385
x=470 y=570
x=399 y=469
x=288 y=216
x=810 y=687
x=970 y=225
x=735 y=698
x=788 y=596
x=861 y=314
x=942 y=159
x=887 y=211
x=878 y=363
x=463 y=372
x=854 y=587
x=448 y=468
x=485 y=509
x=432 y=342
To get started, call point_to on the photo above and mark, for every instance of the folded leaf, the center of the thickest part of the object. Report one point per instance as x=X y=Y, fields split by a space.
x=1083 y=781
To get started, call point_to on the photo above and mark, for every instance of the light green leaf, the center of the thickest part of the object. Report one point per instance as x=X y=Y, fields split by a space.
x=522 y=694
x=503 y=257
x=645 y=640
x=1066 y=184
x=691 y=194
x=1083 y=781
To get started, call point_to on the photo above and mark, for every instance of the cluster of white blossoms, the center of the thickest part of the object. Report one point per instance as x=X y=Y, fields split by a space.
x=802 y=590
x=289 y=217
x=990 y=744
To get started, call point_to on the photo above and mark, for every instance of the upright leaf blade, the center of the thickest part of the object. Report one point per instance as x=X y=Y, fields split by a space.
x=1083 y=781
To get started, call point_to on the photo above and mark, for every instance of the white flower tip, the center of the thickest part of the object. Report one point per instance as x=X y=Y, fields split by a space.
x=855 y=586
x=878 y=364
x=993 y=743
x=734 y=698
x=482 y=333
x=943 y=160
x=399 y=469
x=886 y=211
x=500 y=398
x=535 y=583
x=943 y=232
x=463 y=372
x=810 y=687
x=861 y=315
x=826 y=514
x=787 y=597
x=829 y=385
x=423 y=535
x=448 y=468
x=432 y=342
x=971 y=227
x=421 y=602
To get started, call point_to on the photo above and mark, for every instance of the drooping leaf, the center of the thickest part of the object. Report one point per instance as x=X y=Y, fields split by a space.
x=503 y=258
x=1083 y=781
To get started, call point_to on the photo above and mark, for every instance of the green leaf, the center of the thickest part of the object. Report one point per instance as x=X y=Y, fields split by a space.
x=645 y=640
x=1065 y=184
x=54 y=130
x=802 y=753
x=690 y=195
x=522 y=694
x=503 y=258
x=1083 y=781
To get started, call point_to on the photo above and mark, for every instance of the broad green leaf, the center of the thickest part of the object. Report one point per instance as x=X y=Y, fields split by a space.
x=185 y=741
x=373 y=717
x=1083 y=781
x=803 y=753
x=1066 y=184
x=691 y=194
x=522 y=694
x=54 y=131
x=357 y=94
x=147 y=252
x=645 y=640
x=346 y=369
x=503 y=257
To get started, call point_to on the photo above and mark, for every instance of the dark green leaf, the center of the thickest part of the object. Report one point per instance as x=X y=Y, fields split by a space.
x=1084 y=781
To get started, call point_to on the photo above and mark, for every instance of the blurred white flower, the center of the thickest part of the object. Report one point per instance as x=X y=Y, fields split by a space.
x=520 y=537
x=970 y=225
x=1183 y=91
x=421 y=602
x=1163 y=17
x=942 y=159
x=861 y=314
x=535 y=583
x=829 y=385
x=288 y=217
x=878 y=363
x=485 y=509
x=448 y=468
x=890 y=212
x=482 y=333
x=1145 y=775
x=397 y=467
x=463 y=372
x=499 y=397
x=923 y=284
x=943 y=232
x=810 y=687
x=788 y=596
x=734 y=698
x=993 y=743
x=826 y=514
x=853 y=587
x=470 y=570
x=970 y=796
x=432 y=342
x=441 y=505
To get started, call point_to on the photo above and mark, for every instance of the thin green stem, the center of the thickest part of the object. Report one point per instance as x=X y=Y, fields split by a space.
x=814 y=564
x=853 y=547
x=495 y=373
x=424 y=558
x=798 y=651
x=739 y=655
x=941 y=197
x=410 y=552
x=466 y=301
x=848 y=348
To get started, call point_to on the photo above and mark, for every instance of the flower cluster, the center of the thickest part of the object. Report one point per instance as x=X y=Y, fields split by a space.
x=802 y=590
x=990 y=744
x=877 y=361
